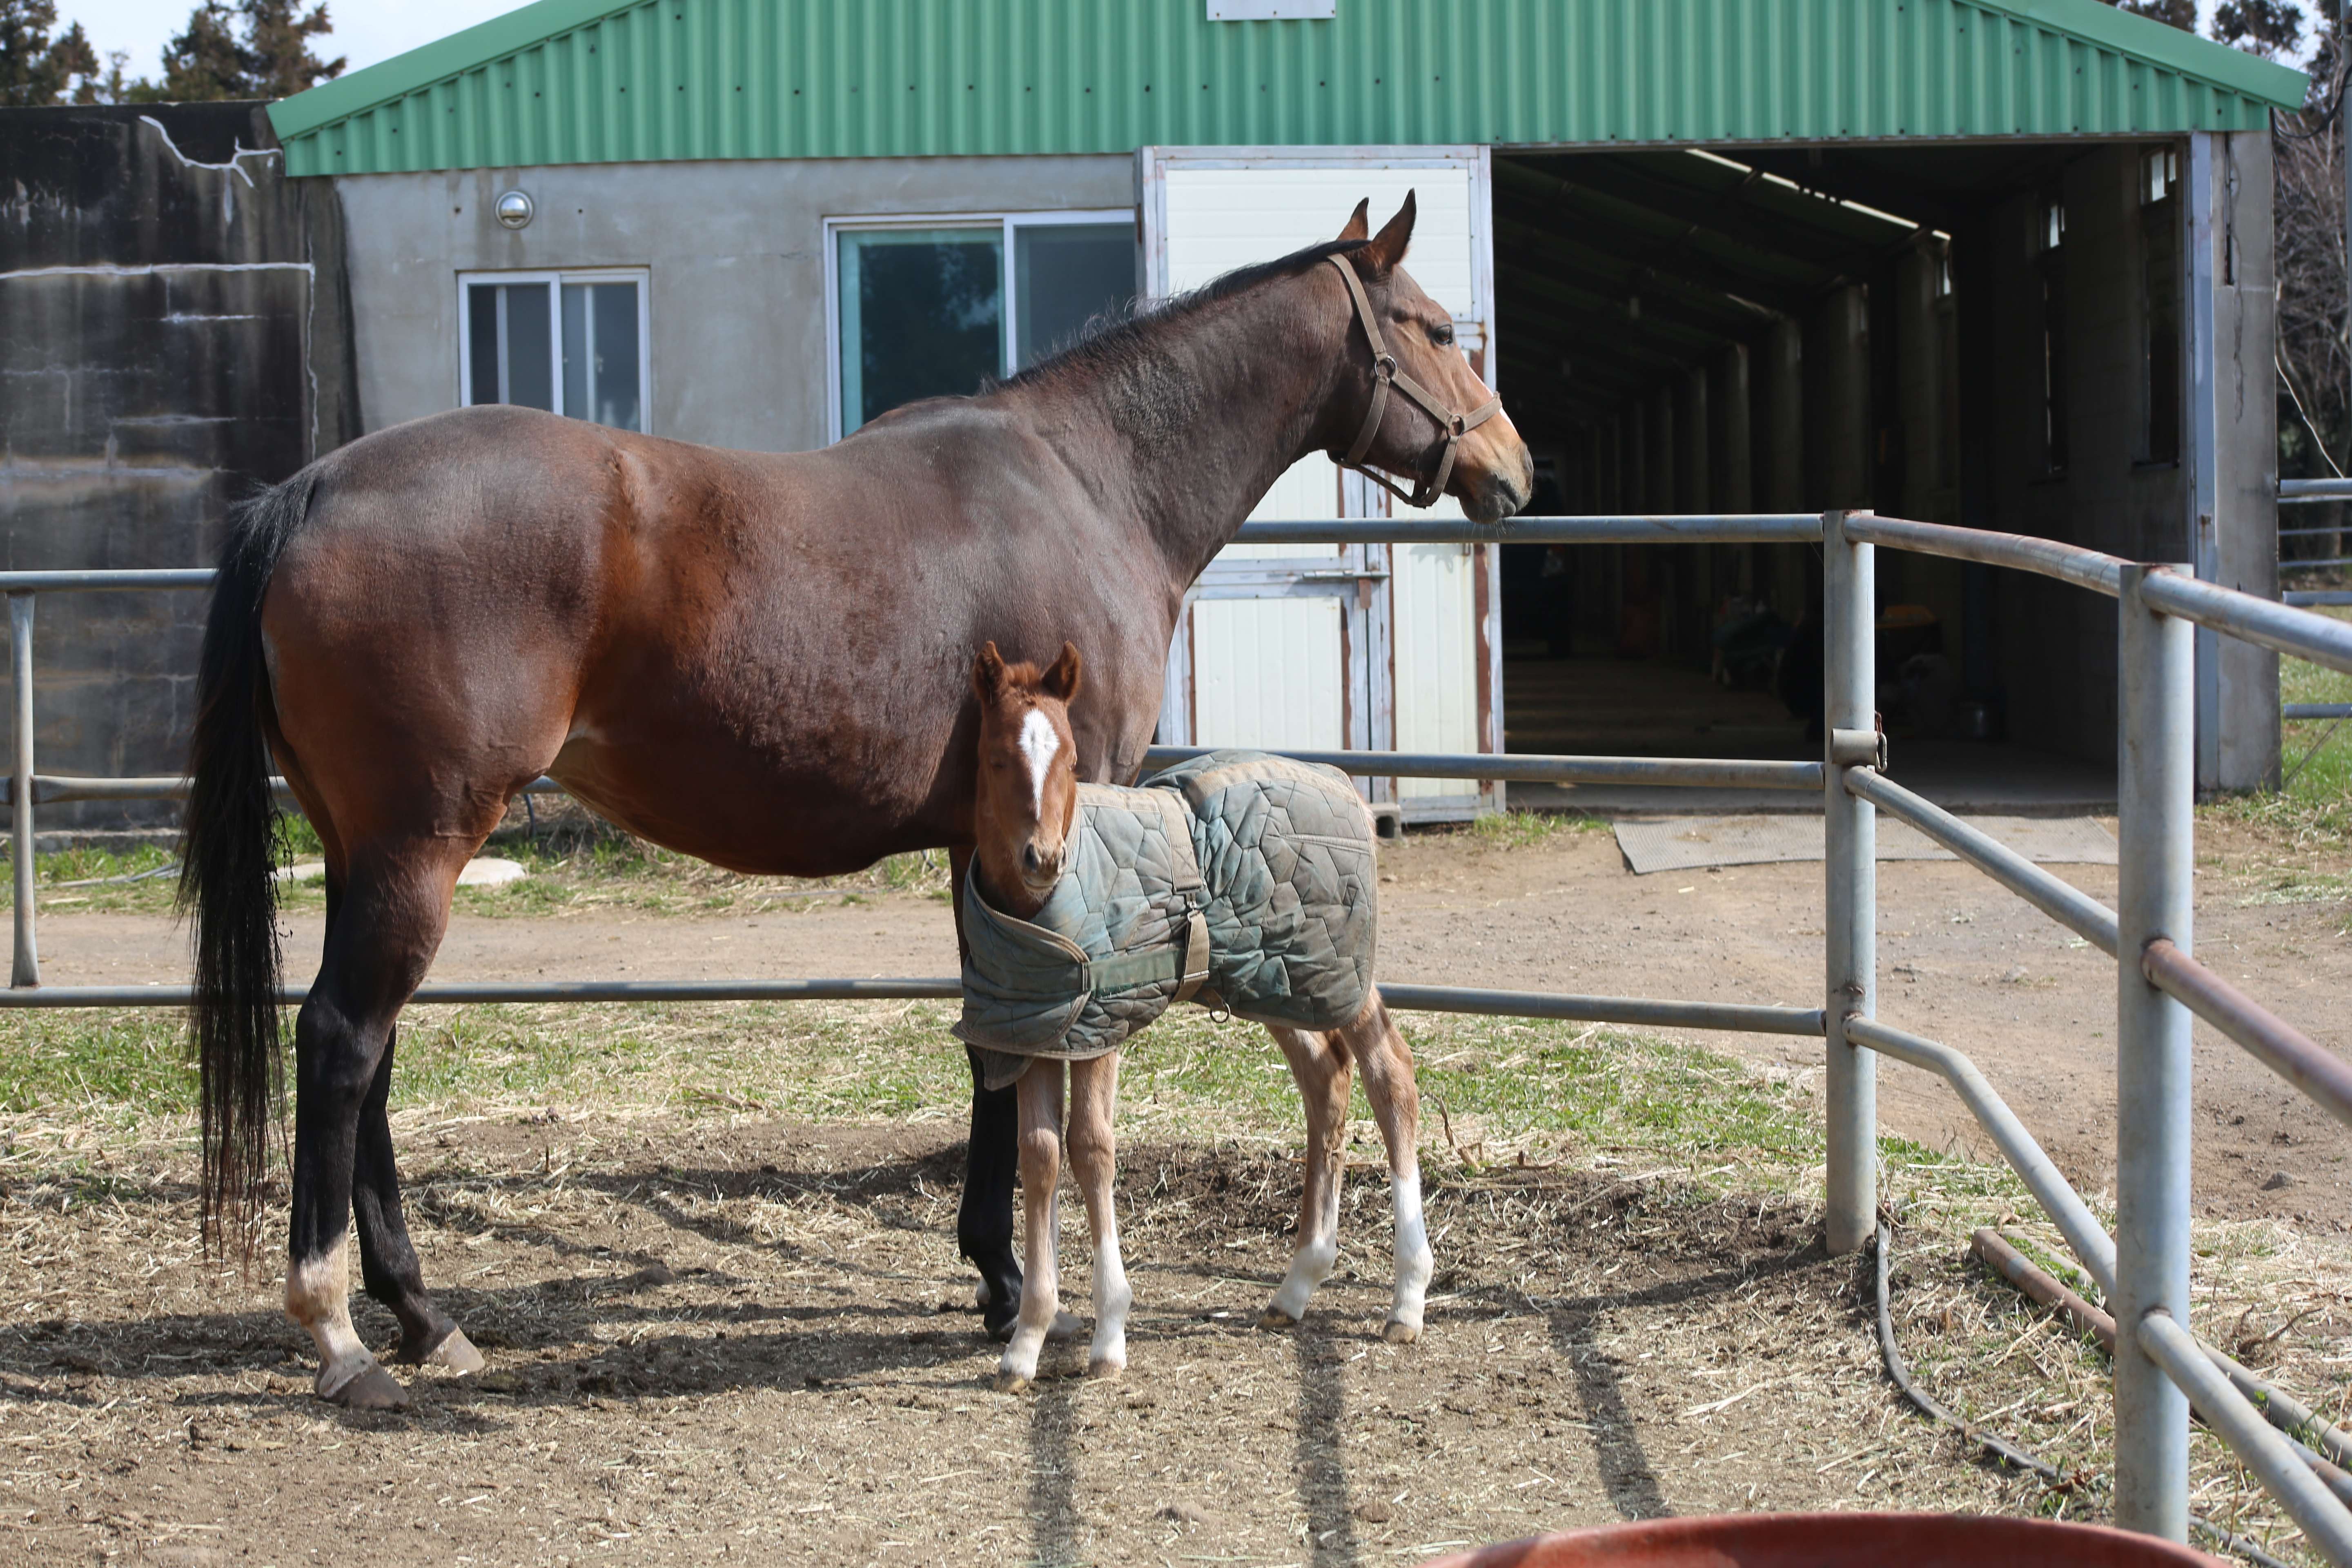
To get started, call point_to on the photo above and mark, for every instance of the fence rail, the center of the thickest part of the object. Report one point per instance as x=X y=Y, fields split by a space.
x=2144 y=1269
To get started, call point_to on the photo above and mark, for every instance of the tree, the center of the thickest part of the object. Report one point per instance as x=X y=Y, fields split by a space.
x=36 y=68
x=277 y=37
x=2180 y=13
x=268 y=55
x=2271 y=28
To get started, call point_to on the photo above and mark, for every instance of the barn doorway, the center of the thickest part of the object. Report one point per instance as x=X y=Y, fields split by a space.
x=1987 y=334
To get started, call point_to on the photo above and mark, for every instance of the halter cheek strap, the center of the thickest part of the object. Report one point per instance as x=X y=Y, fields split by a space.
x=1385 y=375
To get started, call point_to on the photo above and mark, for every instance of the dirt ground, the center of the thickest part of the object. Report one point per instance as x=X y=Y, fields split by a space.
x=753 y=1343
x=1960 y=961
x=741 y=1339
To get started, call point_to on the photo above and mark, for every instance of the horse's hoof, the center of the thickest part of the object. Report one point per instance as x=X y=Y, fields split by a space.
x=1400 y=1334
x=1065 y=1327
x=1106 y=1368
x=457 y=1352
x=1011 y=1382
x=373 y=1388
x=1275 y=1320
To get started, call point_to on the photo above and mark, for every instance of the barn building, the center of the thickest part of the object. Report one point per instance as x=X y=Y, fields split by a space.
x=2002 y=263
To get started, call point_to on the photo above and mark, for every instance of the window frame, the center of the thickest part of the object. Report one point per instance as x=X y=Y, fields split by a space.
x=555 y=278
x=1003 y=221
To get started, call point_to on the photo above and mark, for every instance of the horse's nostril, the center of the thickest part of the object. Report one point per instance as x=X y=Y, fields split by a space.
x=1029 y=857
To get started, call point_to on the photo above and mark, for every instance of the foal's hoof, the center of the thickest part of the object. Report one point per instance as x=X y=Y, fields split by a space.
x=1275 y=1320
x=457 y=1352
x=1397 y=1333
x=1106 y=1368
x=371 y=1389
x=1011 y=1382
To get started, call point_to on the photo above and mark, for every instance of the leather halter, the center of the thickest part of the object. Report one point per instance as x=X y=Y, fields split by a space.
x=1385 y=374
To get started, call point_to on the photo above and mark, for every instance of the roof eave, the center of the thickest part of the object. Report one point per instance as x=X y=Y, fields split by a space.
x=436 y=61
x=2110 y=26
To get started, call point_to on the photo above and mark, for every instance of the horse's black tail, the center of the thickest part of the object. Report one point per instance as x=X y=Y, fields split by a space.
x=227 y=872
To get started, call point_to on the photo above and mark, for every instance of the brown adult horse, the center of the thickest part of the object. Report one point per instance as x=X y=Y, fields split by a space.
x=757 y=659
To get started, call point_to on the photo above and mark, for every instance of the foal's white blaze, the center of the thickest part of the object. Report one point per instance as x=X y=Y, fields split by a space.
x=1041 y=746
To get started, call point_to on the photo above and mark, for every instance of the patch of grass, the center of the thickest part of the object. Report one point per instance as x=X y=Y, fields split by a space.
x=579 y=872
x=2316 y=807
x=1495 y=1092
x=1520 y=829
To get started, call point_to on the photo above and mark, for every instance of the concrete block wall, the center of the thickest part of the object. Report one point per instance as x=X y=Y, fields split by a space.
x=173 y=333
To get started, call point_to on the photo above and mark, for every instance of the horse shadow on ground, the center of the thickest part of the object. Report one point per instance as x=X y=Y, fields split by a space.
x=1191 y=1208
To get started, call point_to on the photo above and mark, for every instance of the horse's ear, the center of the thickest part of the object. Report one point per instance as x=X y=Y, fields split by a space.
x=1360 y=225
x=1062 y=680
x=988 y=675
x=1388 y=248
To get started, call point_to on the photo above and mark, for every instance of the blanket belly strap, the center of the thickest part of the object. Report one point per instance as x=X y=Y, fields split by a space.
x=1188 y=965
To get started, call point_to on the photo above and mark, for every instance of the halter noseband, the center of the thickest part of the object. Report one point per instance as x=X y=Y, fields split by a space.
x=1386 y=373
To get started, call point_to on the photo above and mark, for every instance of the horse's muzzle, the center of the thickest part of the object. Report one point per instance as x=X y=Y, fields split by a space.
x=1039 y=870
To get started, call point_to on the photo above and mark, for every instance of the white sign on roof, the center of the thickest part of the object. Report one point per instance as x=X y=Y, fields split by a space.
x=1271 y=10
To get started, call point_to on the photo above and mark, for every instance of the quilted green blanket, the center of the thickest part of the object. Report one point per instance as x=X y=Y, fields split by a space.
x=1235 y=879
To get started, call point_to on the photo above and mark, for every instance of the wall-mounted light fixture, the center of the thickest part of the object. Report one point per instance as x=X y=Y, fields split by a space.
x=515 y=209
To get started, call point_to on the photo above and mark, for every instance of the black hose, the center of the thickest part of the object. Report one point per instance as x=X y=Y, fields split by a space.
x=2007 y=1452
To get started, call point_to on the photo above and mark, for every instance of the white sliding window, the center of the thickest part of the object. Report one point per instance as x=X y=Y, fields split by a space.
x=930 y=306
x=570 y=342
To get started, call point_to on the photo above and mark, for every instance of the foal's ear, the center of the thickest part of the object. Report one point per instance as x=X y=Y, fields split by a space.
x=1388 y=248
x=1360 y=221
x=988 y=675
x=1062 y=680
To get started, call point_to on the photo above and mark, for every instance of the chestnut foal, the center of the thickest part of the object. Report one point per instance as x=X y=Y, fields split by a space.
x=1028 y=798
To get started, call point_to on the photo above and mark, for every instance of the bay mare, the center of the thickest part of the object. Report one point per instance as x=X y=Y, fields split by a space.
x=1024 y=813
x=758 y=659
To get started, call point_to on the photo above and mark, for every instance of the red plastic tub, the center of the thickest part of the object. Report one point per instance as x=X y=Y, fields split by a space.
x=1837 y=1541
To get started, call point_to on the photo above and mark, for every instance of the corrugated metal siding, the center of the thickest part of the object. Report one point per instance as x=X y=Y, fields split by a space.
x=807 y=79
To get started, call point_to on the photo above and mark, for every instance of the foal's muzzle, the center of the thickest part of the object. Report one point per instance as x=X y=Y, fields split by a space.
x=1040 y=868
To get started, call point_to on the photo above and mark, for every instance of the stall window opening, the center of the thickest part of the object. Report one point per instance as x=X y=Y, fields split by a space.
x=570 y=342
x=930 y=307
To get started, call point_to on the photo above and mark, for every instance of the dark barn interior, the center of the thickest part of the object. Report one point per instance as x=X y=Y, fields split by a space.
x=1987 y=334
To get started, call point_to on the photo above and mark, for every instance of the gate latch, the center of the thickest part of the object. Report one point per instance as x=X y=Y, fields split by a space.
x=1858 y=749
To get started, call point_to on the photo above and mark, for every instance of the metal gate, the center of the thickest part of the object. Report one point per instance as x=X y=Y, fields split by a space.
x=2161 y=1369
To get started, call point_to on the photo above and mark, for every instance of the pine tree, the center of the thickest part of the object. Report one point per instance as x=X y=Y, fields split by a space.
x=277 y=47
x=204 y=62
x=2180 y=13
x=2268 y=27
x=36 y=68
x=258 y=48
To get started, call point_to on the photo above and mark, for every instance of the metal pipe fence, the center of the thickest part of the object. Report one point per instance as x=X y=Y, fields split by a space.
x=2161 y=1371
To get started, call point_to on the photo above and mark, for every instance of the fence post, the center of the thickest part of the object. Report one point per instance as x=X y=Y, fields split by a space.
x=27 y=967
x=1849 y=660
x=2157 y=793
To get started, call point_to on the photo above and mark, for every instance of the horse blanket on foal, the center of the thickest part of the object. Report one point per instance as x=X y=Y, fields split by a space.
x=1235 y=879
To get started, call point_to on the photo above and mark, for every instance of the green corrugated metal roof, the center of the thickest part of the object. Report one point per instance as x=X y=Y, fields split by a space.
x=589 y=81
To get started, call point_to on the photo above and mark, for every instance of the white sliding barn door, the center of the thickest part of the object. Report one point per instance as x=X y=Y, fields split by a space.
x=1326 y=648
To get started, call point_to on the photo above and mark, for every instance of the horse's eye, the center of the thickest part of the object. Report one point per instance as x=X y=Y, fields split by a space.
x=1442 y=336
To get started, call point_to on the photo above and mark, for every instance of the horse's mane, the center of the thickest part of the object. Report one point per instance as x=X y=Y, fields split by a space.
x=1116 y=340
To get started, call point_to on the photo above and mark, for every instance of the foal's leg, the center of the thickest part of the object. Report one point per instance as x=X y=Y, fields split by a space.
x=1040 y=1094
x=388 y=921
x=1094 y=1159
x=1321 y=1067
x=1386 y=1061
